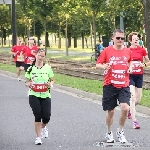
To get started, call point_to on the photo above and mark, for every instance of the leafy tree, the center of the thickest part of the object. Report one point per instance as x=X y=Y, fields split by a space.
x=146 y=5
x=5 y=21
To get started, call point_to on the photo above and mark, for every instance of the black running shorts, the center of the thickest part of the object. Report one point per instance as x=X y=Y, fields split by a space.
x=136 y=80
x=19 y=64
x=113 y=95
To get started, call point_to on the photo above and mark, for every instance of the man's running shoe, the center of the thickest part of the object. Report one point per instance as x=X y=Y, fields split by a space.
x=38 y=141
x=19 y=79
x=121 y=136
x=136 y=125
x=109 y=137
x=129 y=115
x=44 y=132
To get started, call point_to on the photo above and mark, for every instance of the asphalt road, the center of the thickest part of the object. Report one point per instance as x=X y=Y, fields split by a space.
x=76 y=123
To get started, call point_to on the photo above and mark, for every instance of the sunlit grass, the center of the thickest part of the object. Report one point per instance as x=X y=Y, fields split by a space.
x=145 y=98
x=74 y=58
x=63 y=48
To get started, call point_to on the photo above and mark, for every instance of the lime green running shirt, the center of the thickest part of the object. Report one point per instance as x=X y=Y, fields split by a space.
x=40 y=76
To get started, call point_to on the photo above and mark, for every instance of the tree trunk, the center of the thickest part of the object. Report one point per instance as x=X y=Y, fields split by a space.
x=82 y=34
x=94 y=28
x=69 y=39
x=59 y=36
x=75 y=41
x=86 y=42
x=38 y=37
x=55 y=37
x=47 y=41
x=146 y=5
x=66 y=34
x=91 y=35
x=28 y=28
x=99 y=36
x=45 y=35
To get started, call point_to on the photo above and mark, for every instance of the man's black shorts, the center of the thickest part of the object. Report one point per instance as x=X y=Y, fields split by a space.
x=136 y=80
x=111 y=95
x=19 y=64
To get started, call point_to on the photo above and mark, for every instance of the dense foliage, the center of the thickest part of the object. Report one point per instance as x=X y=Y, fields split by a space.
x=82 y=18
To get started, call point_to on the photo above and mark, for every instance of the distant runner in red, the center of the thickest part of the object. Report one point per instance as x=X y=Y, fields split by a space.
x=17 y=51
x=117 y=64
x=29 y=53
x=136 y=78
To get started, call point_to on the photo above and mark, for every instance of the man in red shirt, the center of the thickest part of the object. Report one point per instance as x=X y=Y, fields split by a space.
x=17 y=51
x=29 y=53
x=116 y=62
x=136 y=78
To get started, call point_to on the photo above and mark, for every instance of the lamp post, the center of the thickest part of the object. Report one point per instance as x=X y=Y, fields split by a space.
x=66 y=34
x=121 y=21
x=13 y=25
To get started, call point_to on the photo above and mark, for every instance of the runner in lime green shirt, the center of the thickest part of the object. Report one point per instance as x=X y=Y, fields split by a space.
x=40 y=80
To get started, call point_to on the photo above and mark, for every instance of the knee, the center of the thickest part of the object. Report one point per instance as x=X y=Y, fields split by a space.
x=45 y=120
x=125 y=107
x=21 y=68
x=111 y=113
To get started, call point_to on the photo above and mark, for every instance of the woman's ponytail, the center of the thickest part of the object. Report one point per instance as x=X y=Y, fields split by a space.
x=30 y=68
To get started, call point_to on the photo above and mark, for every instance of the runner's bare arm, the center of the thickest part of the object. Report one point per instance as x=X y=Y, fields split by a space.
x=103 y=66
x=130 y=67
x=50 y=82
x=147 y=61
x=28 y=82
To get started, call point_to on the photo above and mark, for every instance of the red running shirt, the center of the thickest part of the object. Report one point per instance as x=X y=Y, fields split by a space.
x=137 y=56
x=17 y=49
x=29 y=57
x=119 y=63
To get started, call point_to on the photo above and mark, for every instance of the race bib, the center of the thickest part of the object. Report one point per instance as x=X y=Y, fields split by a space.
x=118 y=74
x=136 y=67
x=39 y=88
x=30 y=60
x=20 y=58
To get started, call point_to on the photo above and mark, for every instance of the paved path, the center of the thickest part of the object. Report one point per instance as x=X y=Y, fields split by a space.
x=76 y=123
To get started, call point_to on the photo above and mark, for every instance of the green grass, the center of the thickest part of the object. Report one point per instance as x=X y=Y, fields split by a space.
x=145 y=98
x=73 y=58
x=7 y=67
x=63 y=48
x=93 y=86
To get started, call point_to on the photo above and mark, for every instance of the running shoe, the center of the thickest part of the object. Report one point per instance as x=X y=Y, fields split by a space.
x=44 y=132
x=121 y=136
x=38 y=141
x=129 y=115
x=19 y=79
x=136 y=125
x=109 y=137
x=28 y=92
